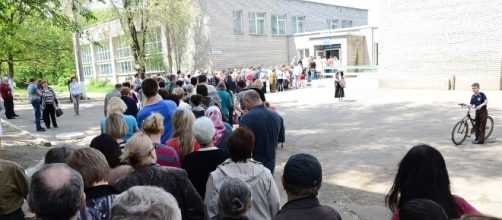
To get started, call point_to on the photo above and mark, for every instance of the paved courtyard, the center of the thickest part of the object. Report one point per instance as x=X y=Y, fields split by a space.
x=359 y=142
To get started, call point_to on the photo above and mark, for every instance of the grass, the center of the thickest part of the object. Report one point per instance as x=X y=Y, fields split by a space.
x=93 y=88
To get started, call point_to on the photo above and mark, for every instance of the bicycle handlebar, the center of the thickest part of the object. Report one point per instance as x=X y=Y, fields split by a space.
x=464 y=105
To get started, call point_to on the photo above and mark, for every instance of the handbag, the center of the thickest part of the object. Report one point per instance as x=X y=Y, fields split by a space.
x=59 y=112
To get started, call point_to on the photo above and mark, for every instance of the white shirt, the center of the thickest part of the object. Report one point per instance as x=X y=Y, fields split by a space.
x=75 y=88
x=184 y=106
x=298 y=70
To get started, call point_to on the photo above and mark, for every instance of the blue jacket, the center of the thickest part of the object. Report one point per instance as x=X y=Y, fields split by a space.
x=268 y=129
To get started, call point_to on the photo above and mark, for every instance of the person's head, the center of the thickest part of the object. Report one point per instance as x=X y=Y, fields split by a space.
x=174 y=98
x=202 y=90
x=116 y=105
x=162 y=84
x=154 y=124
x=203 y=130
x=302 y=176
x=125 y=91
x=258 y=84
x=251 y=99
x=145 y=202
x=58 y=155
x=203 y=78
x=73 y=79
x=56 y=192
x=179 y=92
x=195 y=100
x=189 y=89
x=221 y=86
x=241 y=84
x=193 y=81
x=150 y=87
x=179 y=83
x=475 y=88
x=115 y=126
x=164 y=93
x=45 y=84
x=109 y=147
x=32 y=80
x=422 y=209
x=422 y=174
x=234 y=198
x=240 y=144
x=126 y=85
x=183 y=121
x=140 y=150
x=118 y=86
x=340 y=74
x=91 y=164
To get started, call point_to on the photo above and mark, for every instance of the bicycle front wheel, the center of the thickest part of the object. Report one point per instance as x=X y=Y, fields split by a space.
x=459 y=132
x=489 y=127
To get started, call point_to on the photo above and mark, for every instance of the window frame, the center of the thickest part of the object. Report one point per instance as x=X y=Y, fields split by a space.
x=337 y=23
x=295 y=20
x=255 y=22
x=122 y=49
x=86 y=54
x=241 y=23
x=157 y=44
x=278 y=19
x=351 y=24
x=102 y=51
x=100 y=69
x=87 y=71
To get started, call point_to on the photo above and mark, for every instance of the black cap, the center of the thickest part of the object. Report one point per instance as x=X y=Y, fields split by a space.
x=303 y=170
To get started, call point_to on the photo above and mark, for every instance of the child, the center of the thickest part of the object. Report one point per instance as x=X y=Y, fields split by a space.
x=196 y=103
x=479 y=101
x=339 y=86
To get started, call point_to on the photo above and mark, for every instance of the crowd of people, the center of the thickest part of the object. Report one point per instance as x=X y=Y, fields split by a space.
x=168 y=150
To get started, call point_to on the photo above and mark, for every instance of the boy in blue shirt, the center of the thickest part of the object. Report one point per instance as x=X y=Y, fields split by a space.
x=479 y=101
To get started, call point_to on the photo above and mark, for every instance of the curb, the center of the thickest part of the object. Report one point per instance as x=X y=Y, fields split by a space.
x=38 y=141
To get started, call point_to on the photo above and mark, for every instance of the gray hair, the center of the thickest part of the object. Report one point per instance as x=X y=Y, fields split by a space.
x=190 y=88
x=145 y=202
x=234 y=198
x=252 y=95
x=203 y=130
x=56 y=192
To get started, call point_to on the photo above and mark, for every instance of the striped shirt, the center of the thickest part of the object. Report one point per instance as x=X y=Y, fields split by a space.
x=167 y=156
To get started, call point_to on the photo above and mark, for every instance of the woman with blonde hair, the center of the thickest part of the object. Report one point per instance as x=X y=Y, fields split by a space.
x=140 y=152
x=183 y=139
x=116 y=126
x=153 y=126
x=117 y=105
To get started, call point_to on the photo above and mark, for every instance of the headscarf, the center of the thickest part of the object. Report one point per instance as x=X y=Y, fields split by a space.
x=214 y=114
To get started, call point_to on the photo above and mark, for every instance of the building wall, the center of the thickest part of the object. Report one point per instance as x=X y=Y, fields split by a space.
x=425 y=43
x=246 y=49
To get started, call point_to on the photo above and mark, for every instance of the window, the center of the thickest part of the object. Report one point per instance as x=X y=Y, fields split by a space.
x=86 y=54
x=102 y=52
x=278 y=24
x=153 y=42
x=122 y=48
x=333 y=24
x=126 y=67
x=302 y=53
x=104 y=69
x=298 y=24
x=154 y=65
x=346 y=23
x=238 y=22
x=256 y=23
x=87 y=70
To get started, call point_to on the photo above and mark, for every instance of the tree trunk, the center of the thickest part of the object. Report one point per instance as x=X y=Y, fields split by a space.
x=10 y=65
x=169 y=49
x=139 y=57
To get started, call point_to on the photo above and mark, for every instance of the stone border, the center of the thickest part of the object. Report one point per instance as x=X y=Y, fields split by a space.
x=38 y=141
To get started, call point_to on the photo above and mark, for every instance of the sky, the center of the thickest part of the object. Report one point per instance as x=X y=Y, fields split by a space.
x=371 y=5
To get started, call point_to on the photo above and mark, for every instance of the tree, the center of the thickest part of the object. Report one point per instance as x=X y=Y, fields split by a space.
x=138 y=17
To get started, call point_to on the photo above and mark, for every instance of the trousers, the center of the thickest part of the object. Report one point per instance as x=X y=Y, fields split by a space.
x=480 y=124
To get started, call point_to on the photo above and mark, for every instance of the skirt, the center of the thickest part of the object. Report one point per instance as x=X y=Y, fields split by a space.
x=339 y=92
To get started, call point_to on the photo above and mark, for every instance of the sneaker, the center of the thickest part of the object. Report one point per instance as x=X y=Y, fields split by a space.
x=478 y=142
x=40 y=129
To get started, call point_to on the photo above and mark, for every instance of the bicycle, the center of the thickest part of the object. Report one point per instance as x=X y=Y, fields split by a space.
x=461 y=129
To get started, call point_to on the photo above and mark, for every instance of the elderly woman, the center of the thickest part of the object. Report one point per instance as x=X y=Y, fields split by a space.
x=140 y=152
x=200 y=163
x=145 y=202
x=234 y=200
x=266 y=200
x=107 y=145
x=49 y=105
x=153 y=126
x=92 y=165
x=182 y=139
x=116 y=105
x=222 y=133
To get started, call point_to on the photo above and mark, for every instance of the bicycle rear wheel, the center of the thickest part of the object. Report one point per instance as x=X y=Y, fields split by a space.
x=459 y=132
x=489 y=127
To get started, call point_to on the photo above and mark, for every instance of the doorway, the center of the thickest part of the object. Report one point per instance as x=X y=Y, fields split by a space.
x=330 y=53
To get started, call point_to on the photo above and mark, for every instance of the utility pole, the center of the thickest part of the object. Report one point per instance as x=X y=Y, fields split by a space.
x=78 y=51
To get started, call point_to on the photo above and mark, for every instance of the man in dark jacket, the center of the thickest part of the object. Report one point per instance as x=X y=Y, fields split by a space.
x=302 y=179
x=267 y=126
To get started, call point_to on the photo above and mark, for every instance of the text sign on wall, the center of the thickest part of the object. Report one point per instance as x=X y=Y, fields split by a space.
x=332 y=46
x=326 y=40
x=216 y=52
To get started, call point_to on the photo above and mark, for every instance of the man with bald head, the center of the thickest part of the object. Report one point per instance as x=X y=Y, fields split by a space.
x=56 y=192
x=267 y=126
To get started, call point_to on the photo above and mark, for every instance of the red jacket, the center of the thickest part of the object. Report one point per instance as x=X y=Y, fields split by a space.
x=6 y=91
